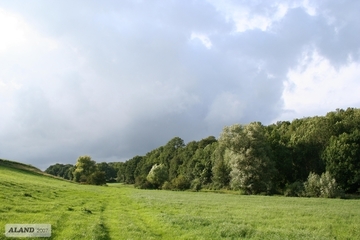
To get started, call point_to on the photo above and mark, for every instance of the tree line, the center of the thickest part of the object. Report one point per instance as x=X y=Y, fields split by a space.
x=313 y=156
x=85 y=171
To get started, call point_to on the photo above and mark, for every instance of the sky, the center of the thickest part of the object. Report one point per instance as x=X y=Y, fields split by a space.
x=116 y=79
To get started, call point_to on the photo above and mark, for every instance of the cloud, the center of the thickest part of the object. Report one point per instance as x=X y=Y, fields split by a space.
x=314 y=87
x=118 y=79
x=203 y=39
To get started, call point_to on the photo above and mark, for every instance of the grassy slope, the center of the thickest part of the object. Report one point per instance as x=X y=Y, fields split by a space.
x=122 y=212
x=19 y=166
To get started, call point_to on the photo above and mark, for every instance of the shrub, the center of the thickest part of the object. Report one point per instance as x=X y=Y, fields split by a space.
x=196 y=184
x=180 y=183
x=324 y=186
x=97 y=178
x=312 y=185
x=328 y=186
x=295 y=189
x=166 y=186
x=143 y=183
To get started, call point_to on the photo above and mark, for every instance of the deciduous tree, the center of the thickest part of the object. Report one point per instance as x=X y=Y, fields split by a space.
x=84 y=167
x=248 y=153
x=158 y=175
x=343 y=160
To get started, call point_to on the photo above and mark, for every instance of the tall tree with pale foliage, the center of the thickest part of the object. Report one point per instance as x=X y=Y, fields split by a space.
x=158 y=175
x=247 y=152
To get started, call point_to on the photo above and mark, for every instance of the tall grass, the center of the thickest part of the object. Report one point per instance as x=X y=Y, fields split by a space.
x=123 y=212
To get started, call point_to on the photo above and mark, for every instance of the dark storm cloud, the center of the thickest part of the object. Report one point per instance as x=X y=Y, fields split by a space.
x=125 y=77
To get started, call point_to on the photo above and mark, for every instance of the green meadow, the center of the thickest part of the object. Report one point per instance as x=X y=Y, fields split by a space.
x=120 y=211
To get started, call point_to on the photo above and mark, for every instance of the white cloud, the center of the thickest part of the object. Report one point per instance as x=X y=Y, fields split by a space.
x=8 y=87
x=13 y=30
x=309 y=7
x=254 y=15
x=204 y=39
x=17 y=34
x=317 y=87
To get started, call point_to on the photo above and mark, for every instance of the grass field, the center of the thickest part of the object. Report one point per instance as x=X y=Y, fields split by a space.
x=123 y=212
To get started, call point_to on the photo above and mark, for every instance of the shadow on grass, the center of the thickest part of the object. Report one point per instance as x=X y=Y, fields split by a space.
x=101 y=231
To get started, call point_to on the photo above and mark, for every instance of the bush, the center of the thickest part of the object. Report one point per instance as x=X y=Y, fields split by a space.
x=324 y=186
x=329 y=187
x=196 y=184
x=81 y=178
x=143 y=183
x=97 y=178
x=295 y=189
x=180 y=183
x=312 y=185
x=166 y=186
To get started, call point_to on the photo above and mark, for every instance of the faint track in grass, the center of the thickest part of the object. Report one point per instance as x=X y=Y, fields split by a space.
x=129 y=220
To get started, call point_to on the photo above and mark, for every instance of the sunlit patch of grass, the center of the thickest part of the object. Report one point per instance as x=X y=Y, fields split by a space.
x=256 y=217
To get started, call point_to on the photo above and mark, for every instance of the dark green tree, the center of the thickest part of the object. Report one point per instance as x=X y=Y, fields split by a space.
x=307 y=142
x=109 y=170
x=342 y=158
x=97 y=178
x=170 y=150
x=221 y=169
x=130 y=168
x=60 y=170
x=121 y=172
x=180 y=183
x=278 y=137
x=206 y=141
x=175 y=163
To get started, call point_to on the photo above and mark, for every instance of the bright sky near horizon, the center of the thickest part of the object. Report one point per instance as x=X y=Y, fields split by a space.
x=115 y=79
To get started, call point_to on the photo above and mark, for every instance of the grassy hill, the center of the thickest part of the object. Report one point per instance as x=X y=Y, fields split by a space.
x=122 y=212
x=19 y=166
